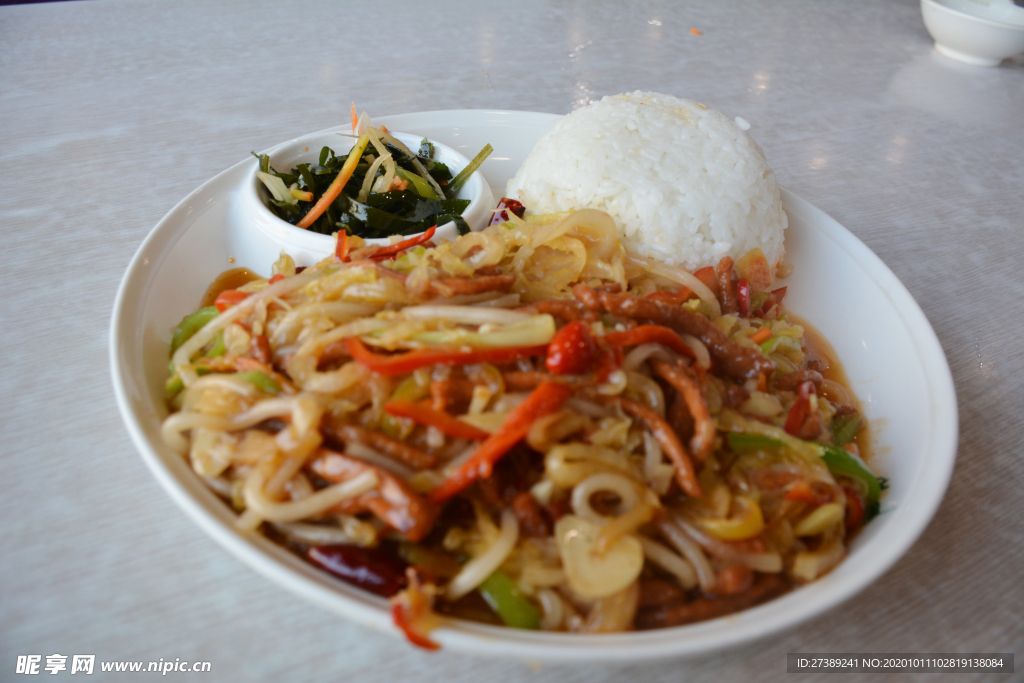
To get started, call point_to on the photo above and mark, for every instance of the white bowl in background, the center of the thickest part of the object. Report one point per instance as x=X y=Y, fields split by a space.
x=891 y=355
x=308 y=247
x=978 y=32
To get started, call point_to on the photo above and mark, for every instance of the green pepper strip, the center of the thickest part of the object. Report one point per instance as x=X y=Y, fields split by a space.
x=191 y=324
x=261 y=380
x=749 y=442
x=173 y=386
x=458 y=181
x=419 y=185
x=838 y=460
x=174 y=383
x=842 y=462
x=504 y=597
x=845 y=428
x=219 y=348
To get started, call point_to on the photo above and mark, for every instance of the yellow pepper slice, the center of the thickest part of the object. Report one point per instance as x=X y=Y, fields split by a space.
x=748 y=523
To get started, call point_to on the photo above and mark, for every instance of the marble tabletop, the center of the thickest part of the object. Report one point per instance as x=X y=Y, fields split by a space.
x=111 y=112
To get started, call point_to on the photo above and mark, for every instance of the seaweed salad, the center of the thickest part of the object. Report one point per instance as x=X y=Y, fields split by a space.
x=378 y=189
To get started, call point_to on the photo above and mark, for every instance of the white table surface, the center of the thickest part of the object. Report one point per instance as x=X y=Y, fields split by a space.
x=112 y=112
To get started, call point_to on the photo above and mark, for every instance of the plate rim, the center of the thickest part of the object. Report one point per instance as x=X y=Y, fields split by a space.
x=684 y=641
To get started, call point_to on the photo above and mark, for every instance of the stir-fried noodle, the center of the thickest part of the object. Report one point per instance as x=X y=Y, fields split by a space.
x=528 y=426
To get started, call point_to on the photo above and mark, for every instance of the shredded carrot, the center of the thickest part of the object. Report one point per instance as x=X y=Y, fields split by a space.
x=445 y=422
x=385 y=129
x=393 y=249
x=341 y=247
x=413 y=613
x=696 y=31
x=229 y=298
x=763 y=334
x=339 y=182
x=545 y=399
x=401 y=363
x=355 y=118
x=762 y=382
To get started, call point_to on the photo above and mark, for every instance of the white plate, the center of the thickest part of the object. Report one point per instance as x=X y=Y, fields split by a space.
x=889 y=350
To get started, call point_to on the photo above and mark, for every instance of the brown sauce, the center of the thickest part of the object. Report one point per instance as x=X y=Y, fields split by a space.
x=819 y=347
x=229 y=279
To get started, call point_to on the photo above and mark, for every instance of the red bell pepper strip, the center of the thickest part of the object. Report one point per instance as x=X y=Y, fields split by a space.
x=642 y=334
x=229 y=298
x=392 y=249
x=800 y=410
x=545 y=399
x=401 y=363
x=743 y=298
x=424 y=414
x=708 y=276
x=572 y=350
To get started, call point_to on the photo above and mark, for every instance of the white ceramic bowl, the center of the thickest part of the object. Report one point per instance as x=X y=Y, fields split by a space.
x=308 y=247
x=893 y=359
x=982 y=33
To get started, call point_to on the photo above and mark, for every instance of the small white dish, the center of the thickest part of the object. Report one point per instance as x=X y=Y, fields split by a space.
x=890 y=353
x=977 y=32
x=308 y=247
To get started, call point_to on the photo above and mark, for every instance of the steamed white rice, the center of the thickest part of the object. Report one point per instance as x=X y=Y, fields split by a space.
x=684 y=183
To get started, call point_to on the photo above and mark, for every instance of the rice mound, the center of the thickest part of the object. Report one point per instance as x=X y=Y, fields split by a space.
x=684 y=183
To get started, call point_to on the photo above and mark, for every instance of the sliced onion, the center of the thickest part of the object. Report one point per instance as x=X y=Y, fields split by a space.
x=682 y=276
x=635 y=358
x=604 y=481
x=466 y=315
x=492 y=249
x=589 y=573
x=503 y=301
x=614 y=613
x=415 y=163
x=364 y=191
x=837 y=393
x=648 y=390
x=479 y=568
x=700 y=352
